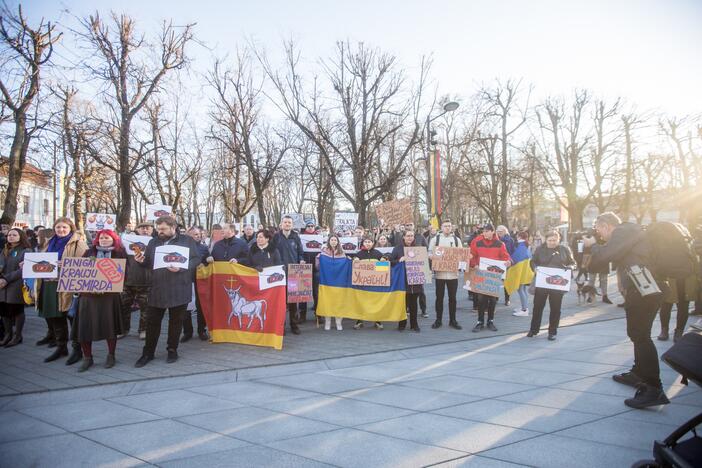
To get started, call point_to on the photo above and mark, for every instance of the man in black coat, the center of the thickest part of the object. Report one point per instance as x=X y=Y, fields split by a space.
x=230 y=248
x=289 y=246
x=626 y=245
x=171 y=289
x=136 y=288
x=196 y=233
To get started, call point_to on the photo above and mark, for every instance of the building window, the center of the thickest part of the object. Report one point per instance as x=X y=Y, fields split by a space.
x=46 y=207
x=25 y=204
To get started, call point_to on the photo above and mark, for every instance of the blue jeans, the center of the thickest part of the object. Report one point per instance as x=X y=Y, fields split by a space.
x=524 y=296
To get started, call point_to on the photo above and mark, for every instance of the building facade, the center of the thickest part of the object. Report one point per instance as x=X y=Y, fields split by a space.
x=35 y=200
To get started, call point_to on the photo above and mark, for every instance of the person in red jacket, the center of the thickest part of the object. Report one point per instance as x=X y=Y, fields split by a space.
x=487 y=245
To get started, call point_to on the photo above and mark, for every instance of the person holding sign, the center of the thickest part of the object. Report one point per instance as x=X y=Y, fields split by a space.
x=171 y=289
x=549 y=255
x=332 y=249
x=52 y=305
x=100 y=315
x=368 y=252
x=136 y=286
x=412 y=291
x=11 y=300
x=290 y=249
x=445 y=279
x=487 y=245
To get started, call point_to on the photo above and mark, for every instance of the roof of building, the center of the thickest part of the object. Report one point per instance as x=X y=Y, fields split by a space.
x=30 y=175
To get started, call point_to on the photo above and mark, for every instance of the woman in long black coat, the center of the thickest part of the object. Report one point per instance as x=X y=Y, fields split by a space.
x=11 y=300
x=412 y=291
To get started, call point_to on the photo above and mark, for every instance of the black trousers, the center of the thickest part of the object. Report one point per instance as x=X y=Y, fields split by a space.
x=640 y=313
x=188 y=322
x=154 y=317
x=452 y=286
x=683 y=309
x=423 y=302
x=59 y=327
x=292 y=315
x=411 y=302
x=486 y=304
x=131 y=294
x=555 y=299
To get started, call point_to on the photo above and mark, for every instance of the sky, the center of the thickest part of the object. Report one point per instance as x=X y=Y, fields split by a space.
x=645 y=51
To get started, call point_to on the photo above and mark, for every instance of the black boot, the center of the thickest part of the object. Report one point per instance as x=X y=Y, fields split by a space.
x=647 y=396
x=76 y=355
x=61 y=350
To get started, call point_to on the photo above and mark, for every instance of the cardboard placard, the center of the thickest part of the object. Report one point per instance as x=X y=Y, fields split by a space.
x=448 y=258
x=171 y=256
x=485 y=282
x=271 y=277
x=345 y=221
x=299 y=282
x=92 y=275
x=100 y=221
x=312 y=242
x=134 y=242
x=394 y=212
x=385 y=250
x=415 y=259
x=349 y=244
x=156 y=211
x=370 y=273
x=495 y=266
x=40 y=265
x=557 y=279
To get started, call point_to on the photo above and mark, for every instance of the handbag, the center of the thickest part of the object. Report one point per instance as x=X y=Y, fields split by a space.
x=73 y=309
x=27 y=294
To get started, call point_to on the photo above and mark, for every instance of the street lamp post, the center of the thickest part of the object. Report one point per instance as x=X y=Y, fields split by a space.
x=434 y=167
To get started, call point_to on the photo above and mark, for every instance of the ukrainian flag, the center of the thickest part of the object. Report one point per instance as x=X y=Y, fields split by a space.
x=520 y=272
x=338 y=298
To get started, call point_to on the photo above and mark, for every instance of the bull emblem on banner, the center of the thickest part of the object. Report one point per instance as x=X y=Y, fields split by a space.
x=242 y=307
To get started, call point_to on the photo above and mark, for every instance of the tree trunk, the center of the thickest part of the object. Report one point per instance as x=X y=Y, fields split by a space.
x=125 y=176
x=16 y=163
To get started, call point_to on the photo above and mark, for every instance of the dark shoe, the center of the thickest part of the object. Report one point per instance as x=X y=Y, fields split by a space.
x=76 y=355
x=295 y=330
x=676 y=336
x=52 y=344
x=110 y=361
x=185 y=338
x=663 y=336
x=86 y=364
x=17 y=340
x=551 y=337
x=606 y=300
x=478 y=326
x=647 y=396
x=508 y=302
x=532 y=334
x=491 y=326
x=455 y=325
x=436 y=324
x=401 y=327
x=425 y=315
x=7 y=339
x=172 y=356
x=628 y=378
x=416 y=329
x=203 y=336
x=589 y=299
x=143 y=360
x=59 y=352
x=44 y=341
x=623 y=304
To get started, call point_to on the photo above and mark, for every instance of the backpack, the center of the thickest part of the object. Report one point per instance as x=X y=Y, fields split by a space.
x=455 y=238
x=672 y=253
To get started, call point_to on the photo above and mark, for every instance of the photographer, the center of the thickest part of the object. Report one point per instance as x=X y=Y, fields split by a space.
x=626 y=245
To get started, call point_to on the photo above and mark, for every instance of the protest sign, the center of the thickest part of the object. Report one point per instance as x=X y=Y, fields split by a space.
x=349 y=244
x=40 y=265
x=384 y=250
x=156 y=211
x=394 y=212
x=495 y=266
x=557 y=279
x=485 y=282
x=415 y=258
x=344 y=222
x=171 y=256
x=298 y=220
x=370 y=273
x=100 y=221
x=299 y=282
x=92 y=275
x=312 y=242
x=134 y=243
x=271 y=277
x=448 y=258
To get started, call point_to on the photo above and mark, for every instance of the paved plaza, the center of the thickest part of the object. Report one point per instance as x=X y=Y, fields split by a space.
x=352 y=398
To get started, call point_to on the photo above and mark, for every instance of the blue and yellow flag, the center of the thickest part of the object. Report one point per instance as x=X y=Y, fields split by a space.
x=338 y=298
x=520 y=272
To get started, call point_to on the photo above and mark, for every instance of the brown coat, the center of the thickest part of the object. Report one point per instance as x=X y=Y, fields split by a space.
x=76 y=247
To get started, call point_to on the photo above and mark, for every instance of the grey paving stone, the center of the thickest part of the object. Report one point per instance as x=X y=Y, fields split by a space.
x=693 y=399
x=251 y=392
x=477 y=461
x=387 y=372
x=674 y=414
x=571 y=367
x=319 y=383
x=353 y=448
x=519 y=375
x=52 y=452
x=62 y=396
x=84 y=415
x=159 y=441
x=17 y=426
x=173 y=403
x=336 y=410
x=416 y=399
x=605 y=405
x=549 y=451
x=518 y=415
x=257 y=425
x=618 y=431
x=274 y=371
x=183 y=382
x=607 y=386
x=355 y=361
x=468 y=386
x=448 y=432
x=251 y=456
